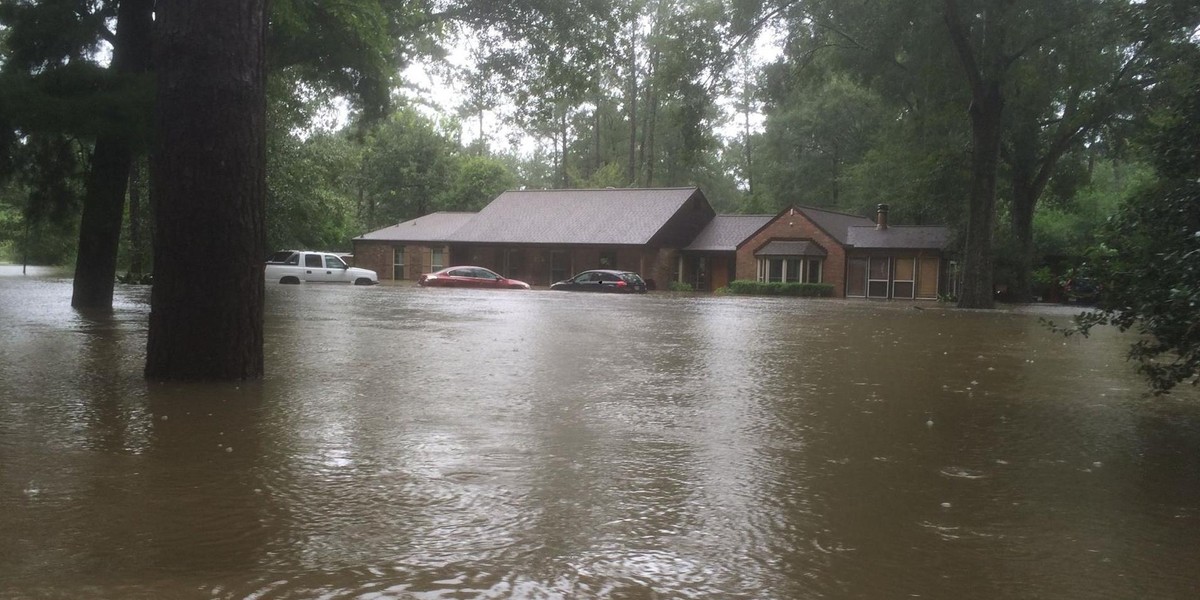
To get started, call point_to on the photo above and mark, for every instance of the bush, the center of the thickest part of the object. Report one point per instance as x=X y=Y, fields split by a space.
x=743 y=287
x=679 y=286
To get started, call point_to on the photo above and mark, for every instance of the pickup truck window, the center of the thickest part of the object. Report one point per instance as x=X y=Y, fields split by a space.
x=312 y=260
x=333 y=262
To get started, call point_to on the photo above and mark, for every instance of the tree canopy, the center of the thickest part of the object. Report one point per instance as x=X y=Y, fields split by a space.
x=1022 y=124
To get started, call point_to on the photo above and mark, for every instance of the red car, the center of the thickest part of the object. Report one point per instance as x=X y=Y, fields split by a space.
x=469 y=277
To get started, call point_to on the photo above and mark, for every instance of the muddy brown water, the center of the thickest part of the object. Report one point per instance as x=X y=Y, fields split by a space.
x=425 y=444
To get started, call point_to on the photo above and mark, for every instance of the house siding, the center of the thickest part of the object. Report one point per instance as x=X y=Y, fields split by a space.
x=794 y=225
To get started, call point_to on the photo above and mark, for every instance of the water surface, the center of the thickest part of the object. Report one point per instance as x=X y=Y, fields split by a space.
x=411 y=443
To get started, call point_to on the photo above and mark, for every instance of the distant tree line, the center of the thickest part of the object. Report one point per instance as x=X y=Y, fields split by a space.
x=1023 y=124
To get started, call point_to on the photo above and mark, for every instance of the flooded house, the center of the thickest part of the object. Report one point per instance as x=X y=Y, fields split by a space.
x=666 y=234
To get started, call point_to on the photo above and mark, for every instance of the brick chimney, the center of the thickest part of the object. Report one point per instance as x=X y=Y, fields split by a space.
x=881 y=217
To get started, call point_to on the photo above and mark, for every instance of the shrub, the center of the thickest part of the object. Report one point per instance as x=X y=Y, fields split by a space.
x=759 y=288
x=679 y=286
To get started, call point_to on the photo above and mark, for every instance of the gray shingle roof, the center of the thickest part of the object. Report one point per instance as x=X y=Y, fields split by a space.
x=434 y=227
x=835 y=223
x=600 y=216
x=900 y=236
x=725 y=232
x=791 y=248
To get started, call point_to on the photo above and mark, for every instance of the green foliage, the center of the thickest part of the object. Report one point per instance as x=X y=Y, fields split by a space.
x=679 y=286
x=474 y=181
x=309 y=192
x=1148 y=263
x=745 y=287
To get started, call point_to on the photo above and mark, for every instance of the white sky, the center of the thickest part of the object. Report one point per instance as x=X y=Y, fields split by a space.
x=442 y=97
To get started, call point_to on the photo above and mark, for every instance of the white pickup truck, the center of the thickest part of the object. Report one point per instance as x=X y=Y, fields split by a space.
x=294 y=266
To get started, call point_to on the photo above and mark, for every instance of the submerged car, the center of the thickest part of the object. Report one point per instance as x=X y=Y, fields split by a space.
x=603 y=280
x=470 y=277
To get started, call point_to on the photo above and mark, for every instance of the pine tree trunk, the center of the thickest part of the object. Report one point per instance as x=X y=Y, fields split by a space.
x=112 y=156
x=209 y=190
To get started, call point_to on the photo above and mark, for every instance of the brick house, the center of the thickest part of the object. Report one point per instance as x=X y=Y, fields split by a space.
x=666 y=234
x=543 y=236
x=858 y=256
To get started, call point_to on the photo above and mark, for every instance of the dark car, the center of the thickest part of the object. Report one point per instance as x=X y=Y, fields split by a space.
x=470 y=277
x=603 y=280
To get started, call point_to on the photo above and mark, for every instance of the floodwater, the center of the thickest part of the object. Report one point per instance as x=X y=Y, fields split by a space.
x=431 y=444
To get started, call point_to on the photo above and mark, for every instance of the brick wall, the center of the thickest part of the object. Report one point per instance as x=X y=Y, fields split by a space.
x=789 y=226
x=376 y=256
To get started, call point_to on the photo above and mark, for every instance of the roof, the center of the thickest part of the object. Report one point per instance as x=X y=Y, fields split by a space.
x=597 y=216
x=434 y=227
x=725 y=232
x=899 y=236
x=835 y=223
x=791 y=248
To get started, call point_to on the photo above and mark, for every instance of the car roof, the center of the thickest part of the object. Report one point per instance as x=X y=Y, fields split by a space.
x=464 y=267
x=612 y=271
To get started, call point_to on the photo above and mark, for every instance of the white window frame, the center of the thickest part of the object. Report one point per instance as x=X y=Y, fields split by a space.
x=764 y=268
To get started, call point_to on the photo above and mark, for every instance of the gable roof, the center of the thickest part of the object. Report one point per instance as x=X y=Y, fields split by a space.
x=835 y=223
x=900 y=236
x=433 y=227
x=725 y=232
x=596 y=216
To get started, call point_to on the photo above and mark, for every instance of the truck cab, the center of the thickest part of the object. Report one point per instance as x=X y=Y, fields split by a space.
x=296 y=266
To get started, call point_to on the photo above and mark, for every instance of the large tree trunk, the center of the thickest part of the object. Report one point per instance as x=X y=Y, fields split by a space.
x=104 y=198
x=978 y=268
x=987 y=108
x=209 y=190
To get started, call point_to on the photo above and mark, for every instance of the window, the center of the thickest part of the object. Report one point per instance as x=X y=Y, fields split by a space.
x=774 y=270
x=793 y=269
x=334 y=262
x=398 y=262
x=608 y=259
x=559 y=266
x=904 y=280
x=877 y=277
x=436 y=261
x=814 y=270
x=312 y=261
x=294 y=259
x=512 y=262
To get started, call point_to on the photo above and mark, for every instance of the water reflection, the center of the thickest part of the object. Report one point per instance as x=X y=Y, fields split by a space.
x=415 y=443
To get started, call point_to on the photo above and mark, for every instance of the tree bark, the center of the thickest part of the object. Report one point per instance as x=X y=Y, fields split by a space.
x=986 y=111
x=112 y=156
x=136 y=259
x=209 y=191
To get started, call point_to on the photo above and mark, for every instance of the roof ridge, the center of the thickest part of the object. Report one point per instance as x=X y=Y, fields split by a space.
x=608 y=189
x=835 y=212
